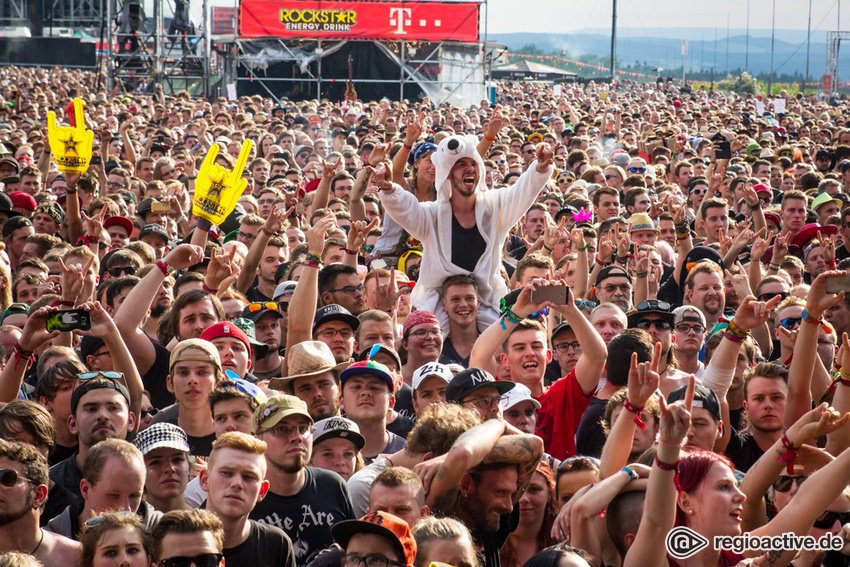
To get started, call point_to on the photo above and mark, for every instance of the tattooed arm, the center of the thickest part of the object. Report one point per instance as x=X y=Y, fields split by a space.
x=522 y=450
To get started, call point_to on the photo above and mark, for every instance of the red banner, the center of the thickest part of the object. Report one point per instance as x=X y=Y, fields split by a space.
x=430 y=21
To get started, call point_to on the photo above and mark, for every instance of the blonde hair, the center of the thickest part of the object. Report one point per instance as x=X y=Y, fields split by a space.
x=239 y=442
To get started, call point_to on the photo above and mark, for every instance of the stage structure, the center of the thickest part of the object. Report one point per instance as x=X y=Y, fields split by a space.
x=316 y=49
x=833 y=45
x=143 y=53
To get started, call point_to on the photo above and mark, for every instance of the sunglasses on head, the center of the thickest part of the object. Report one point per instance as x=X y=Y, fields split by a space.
x=10 y=477
x=254 y=307
x=783 y=483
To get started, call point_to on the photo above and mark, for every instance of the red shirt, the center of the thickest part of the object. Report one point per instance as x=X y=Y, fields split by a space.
x=561 y=406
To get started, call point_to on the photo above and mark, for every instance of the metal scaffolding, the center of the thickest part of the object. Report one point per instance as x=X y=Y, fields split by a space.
x=14 y=13
x=830 y=75
x=73 y=14
x=136 y=55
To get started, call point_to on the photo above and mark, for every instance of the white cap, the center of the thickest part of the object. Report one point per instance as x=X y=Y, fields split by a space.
x=517 y=394
x=283 y=288
x=222 y=141
x=431 y=369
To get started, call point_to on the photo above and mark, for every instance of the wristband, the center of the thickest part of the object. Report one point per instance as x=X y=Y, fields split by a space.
x=586 y=246
x=840 y=378
x=267 y=233
x=22 y=354
x=162 y=265
x=733 y=337
x=314 y=258
x=664 y=466
x=313 y=264
x=627 y=405
x=600 y=262
x=632 y=474
x=773 y=266
x=790 y=456
x=204 y=225
x=350 y=252
x=181 y=218
x=71 y=190
x=208 y=289
x=511 y=316
x=809 y=319
x=407 y=146
x=641 y=275
x=489 y=139
x=547 y=248
x=736 y=330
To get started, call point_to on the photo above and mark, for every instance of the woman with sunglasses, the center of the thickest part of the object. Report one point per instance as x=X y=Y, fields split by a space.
x=116 y=539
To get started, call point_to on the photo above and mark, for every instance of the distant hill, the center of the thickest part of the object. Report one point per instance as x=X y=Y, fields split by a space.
x=703 y=53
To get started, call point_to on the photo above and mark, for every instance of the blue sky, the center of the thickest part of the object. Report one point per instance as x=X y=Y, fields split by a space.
x=649 y=16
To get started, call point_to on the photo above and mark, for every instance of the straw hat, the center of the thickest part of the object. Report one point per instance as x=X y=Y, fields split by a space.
x=307 y=358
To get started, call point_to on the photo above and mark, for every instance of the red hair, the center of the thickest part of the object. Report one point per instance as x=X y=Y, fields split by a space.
x=691 y=472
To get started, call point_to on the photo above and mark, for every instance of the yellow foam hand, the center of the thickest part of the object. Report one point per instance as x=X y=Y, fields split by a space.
x=71 y=145
x=217 y=190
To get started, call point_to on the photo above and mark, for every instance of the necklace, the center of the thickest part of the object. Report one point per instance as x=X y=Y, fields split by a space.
x=39 y=542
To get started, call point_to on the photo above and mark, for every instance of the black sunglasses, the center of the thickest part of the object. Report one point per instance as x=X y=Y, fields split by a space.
x=828 y=519
x=149 y=412
x=783 y=483
x=783 y=295
x=659 y=324
x=126 y=270
x=10 y=477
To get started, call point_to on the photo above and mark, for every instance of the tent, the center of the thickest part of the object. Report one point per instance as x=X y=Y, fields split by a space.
x=532 y=71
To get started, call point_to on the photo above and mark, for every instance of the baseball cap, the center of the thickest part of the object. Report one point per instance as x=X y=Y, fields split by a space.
x=431 y=369
x=335 y=312
x=100 y=382
x=14 y=224
x=338 y=426
x=123 y=222
x=259 y=350
x=88 y=345
x=381 y=523
x=276 y=408
x=371 y=367
x=23 y=200
x=160 y=435
x=688 y=314
x=471 y=380
x=225 y=329
x=518 y=394
x=156 y=229
x=378 y=349
x=762 y=188
x=284 y=288
x=6 y=206
x=612 y=271
x=703 y=398
x=189 y=350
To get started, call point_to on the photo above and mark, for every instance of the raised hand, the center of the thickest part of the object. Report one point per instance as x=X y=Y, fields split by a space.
x=358 y=232
x=71 y=145
x=34 y=333
x=330 y=169
x=184 y=256
x=752 y=313
x=378 y=154
x=217 y=189
x=545 y=157
x=316 y=234
x=818 y=300
x=759 y=247
x=643 y=378
x=388 y=294
x=820 y=421
x=72 y=279
x=497 y=120
x=102 y=325
x=414 y=129
x=676 y=418
x=383 y=177
x=780 y=249
x=222 y=266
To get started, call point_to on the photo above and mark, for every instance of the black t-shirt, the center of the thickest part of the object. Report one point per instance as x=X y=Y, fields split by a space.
x=199 y=446
x=58 y=498
x=266 y=545
x=154 y=379
x=492 y=542
x=553 y=373
x=401 y=426
x=404 y=404
x=68 y=475
x=743 y=450
x=307 y=517
x=450 y=355
x=254 y=295
x=60 y=453
x=841 y=253
x=467 y=246
x=590 y=438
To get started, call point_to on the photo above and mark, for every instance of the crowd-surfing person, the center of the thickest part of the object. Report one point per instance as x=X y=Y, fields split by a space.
x=550 y=329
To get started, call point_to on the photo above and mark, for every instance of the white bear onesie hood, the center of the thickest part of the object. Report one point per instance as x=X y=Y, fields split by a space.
x=496 y=212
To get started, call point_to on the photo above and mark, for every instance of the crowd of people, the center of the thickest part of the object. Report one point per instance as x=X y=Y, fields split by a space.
x=544 y=330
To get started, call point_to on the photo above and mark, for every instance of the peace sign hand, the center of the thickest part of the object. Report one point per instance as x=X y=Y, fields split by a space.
x=71 y=145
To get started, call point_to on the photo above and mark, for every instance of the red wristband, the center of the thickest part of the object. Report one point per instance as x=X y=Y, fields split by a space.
x=162 y=265
x=666 y=467
x=790 y=455
x=627 y=405
x=350 y=252
x=267 y=233
x=208 y=289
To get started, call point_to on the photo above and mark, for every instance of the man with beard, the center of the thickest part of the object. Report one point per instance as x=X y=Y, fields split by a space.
x=235 y=480
x=421 y=341
x=313 y=378
x=704 y=290
x=302 y=501
x=614 y=285
x=340 y=284
x=267 y=326
x=453 y=229
x=100 y=410
x=481 y=481
x=765 y=390
x=162 y=302
x=366 y=397
x=24 y=481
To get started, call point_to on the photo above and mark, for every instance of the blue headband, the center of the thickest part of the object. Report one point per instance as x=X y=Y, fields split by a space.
x=420 y=150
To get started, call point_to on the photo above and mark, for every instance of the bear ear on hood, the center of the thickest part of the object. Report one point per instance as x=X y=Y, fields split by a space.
x=448 y=153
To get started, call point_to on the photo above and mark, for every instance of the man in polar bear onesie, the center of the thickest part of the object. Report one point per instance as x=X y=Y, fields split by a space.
x=464 y=230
